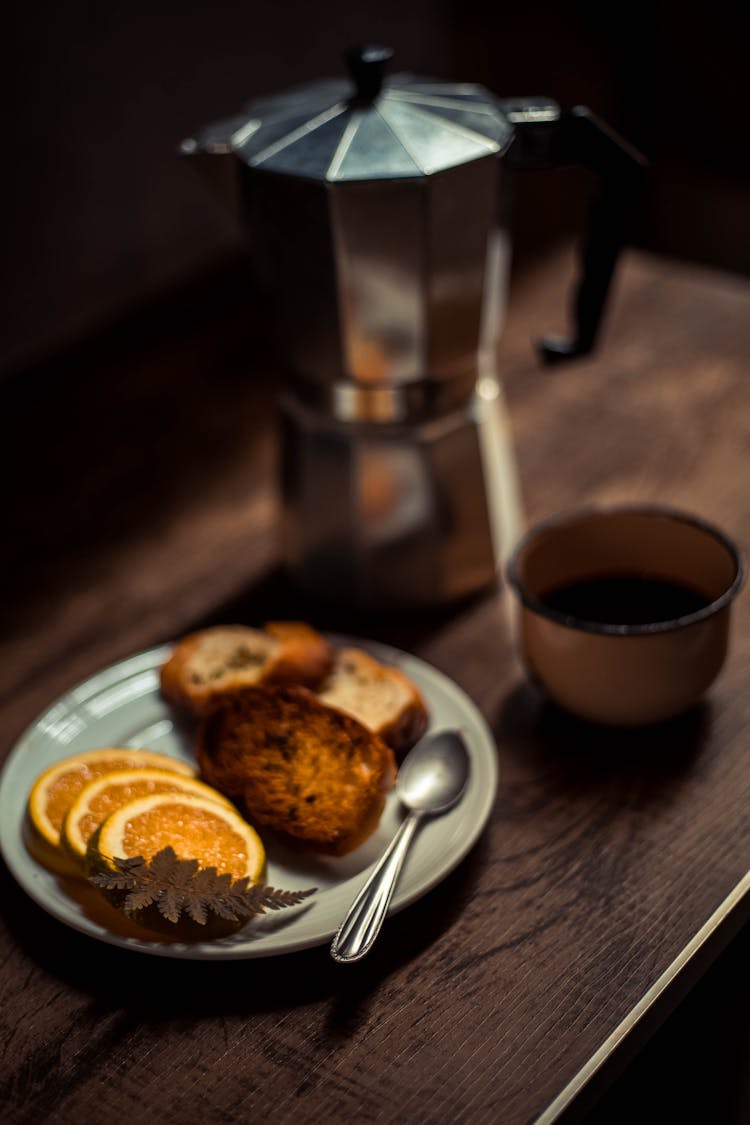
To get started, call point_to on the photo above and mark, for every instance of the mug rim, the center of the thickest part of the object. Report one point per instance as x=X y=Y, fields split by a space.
x=570 y=621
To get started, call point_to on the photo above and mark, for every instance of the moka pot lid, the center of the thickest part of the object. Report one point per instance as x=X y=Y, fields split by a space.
x=373 y=127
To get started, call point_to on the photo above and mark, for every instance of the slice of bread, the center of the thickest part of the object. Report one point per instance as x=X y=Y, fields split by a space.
x=313 y=775
x=380 y=696
x=216 y=661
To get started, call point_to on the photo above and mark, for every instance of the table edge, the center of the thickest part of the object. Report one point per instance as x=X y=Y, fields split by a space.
x=653 y=1008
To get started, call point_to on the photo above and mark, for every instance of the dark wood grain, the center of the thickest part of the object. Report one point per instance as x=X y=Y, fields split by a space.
x=143 y=504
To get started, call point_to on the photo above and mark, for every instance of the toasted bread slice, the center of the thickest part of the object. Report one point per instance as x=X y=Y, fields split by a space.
x=311 y=774
x=380 y=696
x=215 y=661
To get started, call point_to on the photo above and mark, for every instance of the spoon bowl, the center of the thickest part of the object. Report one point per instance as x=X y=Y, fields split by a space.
x=433 y=775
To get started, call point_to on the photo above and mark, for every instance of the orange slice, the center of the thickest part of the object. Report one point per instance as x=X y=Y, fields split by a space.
x=196 y=827
x=55 y=790
x=102 y=796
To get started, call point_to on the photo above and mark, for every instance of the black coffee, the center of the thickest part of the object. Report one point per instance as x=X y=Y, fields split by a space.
x=625 y=599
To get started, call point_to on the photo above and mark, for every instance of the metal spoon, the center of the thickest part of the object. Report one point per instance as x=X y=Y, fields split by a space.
x=431 y=780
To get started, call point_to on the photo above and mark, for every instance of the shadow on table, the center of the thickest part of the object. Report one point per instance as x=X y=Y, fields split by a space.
x=640 y=766
x=274 y=596
x=156 y=989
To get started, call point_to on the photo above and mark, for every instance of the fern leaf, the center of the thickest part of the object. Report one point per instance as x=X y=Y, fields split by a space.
x=180 y=886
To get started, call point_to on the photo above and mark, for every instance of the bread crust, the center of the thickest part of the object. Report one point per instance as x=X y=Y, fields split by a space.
x=305 y=656
x=314 y=776
x=406 y=725
x=406 y=729
x=300 y=655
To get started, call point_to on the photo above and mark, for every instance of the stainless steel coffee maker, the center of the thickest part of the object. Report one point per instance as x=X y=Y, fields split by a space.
x=374 y=208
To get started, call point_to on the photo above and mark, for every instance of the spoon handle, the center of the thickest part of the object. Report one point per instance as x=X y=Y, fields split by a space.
x=367 y=913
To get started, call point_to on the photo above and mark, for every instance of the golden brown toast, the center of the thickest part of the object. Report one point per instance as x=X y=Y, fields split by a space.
x=310 y=773
x=222 y=659
x=379 y=695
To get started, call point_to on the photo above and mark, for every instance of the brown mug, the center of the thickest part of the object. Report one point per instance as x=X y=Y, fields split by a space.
x=625 y=611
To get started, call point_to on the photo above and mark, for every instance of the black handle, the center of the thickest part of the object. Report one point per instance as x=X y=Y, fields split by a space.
x=545 y=136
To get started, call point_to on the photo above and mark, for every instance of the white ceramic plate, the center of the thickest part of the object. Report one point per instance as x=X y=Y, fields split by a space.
x=121 y=706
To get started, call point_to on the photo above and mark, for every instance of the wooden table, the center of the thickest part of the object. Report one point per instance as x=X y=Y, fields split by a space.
x=614 y=866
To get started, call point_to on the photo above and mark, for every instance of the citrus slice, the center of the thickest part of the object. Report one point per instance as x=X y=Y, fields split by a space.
x=100 y=797
x=55 y=790
x=195 y=827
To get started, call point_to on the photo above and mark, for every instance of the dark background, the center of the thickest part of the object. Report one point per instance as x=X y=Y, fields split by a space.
x=102 y=216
